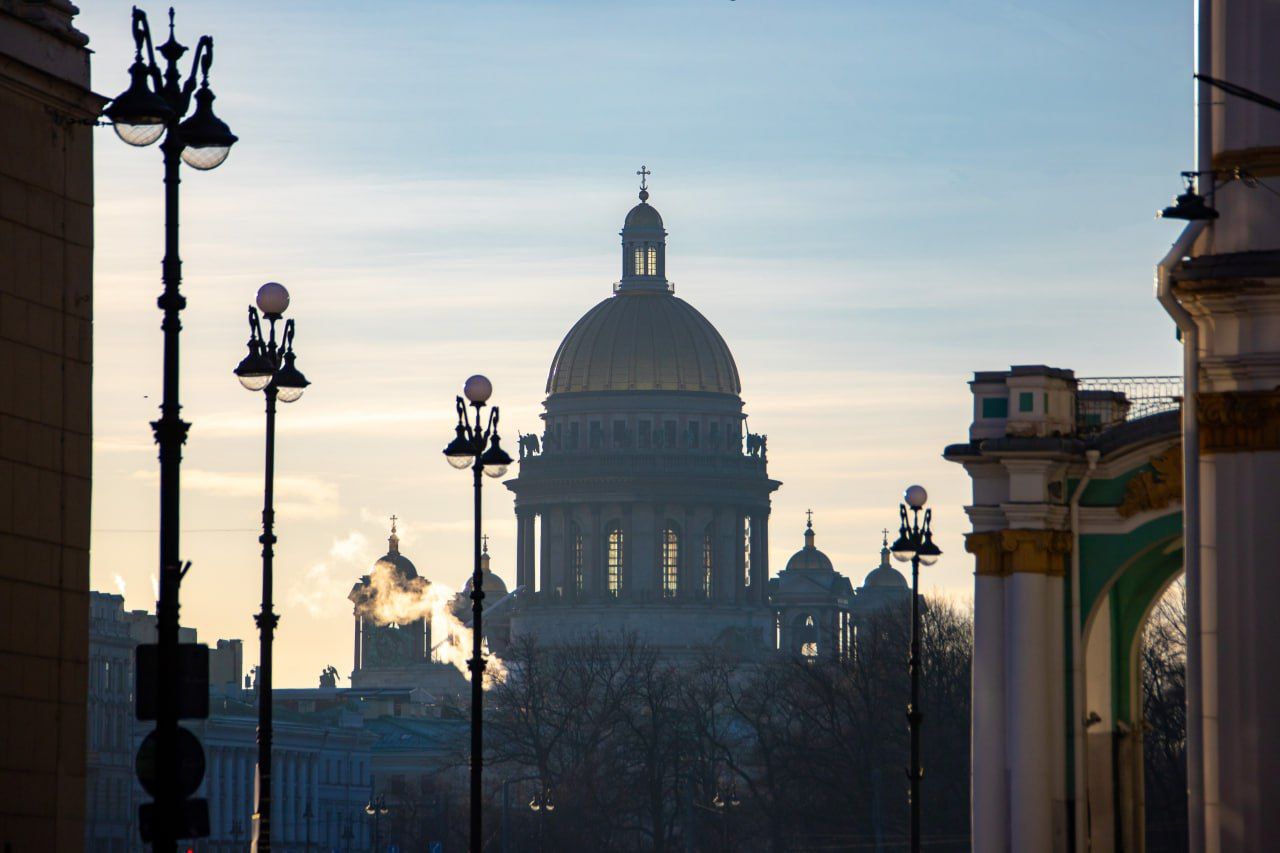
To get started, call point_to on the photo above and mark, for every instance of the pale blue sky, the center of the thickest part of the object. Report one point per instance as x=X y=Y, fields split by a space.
x=869 y=199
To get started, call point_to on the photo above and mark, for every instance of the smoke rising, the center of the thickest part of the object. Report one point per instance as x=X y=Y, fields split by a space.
x=393 y=599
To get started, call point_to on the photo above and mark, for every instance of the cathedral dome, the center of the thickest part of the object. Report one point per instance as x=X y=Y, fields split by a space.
x=403 y=565
x=643 y=338
x=885 y=575
x=643 y=216
x=643 y=341
x=809 y=558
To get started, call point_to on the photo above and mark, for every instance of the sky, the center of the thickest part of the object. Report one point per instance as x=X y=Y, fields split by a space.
x=870 y=200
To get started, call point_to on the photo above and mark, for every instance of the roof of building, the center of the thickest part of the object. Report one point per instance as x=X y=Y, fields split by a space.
x=643 y=216
x=809 y=558
x=643 y=338
x=643 y=341
x=885 y=575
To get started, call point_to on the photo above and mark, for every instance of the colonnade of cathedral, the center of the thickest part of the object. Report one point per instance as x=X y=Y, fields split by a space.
x=644 y=552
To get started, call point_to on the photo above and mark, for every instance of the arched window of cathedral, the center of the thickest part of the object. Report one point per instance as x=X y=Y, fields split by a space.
x=708 y=559
x=652 y=258
x=575 y=556
x=670 y=561
x=638 y=266
x=809 y=648
x=613 y=561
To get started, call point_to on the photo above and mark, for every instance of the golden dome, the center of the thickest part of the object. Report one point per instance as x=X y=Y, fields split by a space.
x=643 y=340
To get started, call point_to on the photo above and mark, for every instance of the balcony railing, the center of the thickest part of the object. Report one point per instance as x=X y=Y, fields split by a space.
x=1106 y=402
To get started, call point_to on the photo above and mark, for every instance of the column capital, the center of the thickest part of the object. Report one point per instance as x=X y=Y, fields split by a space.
x=1239 y=421
x=1001 y=553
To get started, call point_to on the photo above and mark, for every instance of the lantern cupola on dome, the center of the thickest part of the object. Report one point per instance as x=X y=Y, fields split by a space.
x=644 y=245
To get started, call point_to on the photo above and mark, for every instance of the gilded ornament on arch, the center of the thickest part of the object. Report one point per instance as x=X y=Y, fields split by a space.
x=1157 y=488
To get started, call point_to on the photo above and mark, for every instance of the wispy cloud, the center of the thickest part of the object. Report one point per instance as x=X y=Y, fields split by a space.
x=298 y=496
x=322 y=589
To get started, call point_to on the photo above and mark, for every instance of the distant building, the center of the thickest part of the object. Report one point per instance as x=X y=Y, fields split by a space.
x=393 y=633
x=46 y=348
x=818 y=610
x=323 y=754
x=640 y=508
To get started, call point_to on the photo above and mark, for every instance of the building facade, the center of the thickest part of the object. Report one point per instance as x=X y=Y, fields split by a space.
x=643 y=507
x=46 y=311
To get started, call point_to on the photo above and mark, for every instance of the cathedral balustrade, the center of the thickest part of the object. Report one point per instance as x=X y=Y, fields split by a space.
x=559 y=598
x=632 y=461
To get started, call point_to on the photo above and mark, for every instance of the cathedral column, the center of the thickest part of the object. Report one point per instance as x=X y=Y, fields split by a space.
x=545 y=582
x=592 y=556
x=690 y=545
x=519 y=548
x=739 y=556
x=356 y=645
x=759 y=560
x=629 y=551
x=557 y=549
x=646 y=569
x=526 y=561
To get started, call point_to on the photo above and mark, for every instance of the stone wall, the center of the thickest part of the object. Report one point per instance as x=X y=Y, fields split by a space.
x=46 y=253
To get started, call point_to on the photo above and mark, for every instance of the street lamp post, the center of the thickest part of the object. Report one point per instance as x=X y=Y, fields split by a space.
x=915 y=543
x=377 y=808
x=477 y=448
x=269 y=367
x=506 y=808
x=154 y=106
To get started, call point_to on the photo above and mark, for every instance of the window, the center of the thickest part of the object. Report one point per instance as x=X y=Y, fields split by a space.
x=715 y=435
x=995 y=407
x=708 y=559
x=619 y=433
x=597 y=435
x=614 y=561
x=670 y=561
x=669 y=434
x=746 y=550
x=575 y=556
x=809 y=639
x=694 y=434
x=638 y=266
x=573 y=436
x=1026 y=402
x=645 y=435
x=653 y=260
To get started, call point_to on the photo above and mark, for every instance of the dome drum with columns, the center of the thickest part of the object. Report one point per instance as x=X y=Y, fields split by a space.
x=639 y=508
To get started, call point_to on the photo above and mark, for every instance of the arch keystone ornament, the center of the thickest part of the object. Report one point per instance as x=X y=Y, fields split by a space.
x=1157 y=488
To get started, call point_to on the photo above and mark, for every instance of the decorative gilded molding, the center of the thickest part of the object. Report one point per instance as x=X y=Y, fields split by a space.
x=1261 y=162
x=985 y=547
x=1239 y=421
x=1157 y=488
x=1001 y=553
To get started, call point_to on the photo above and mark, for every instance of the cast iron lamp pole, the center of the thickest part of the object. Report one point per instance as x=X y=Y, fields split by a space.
x=269 y=368
x=478 y=449
x=377 y=808
x=155 y=106
x=915 y=543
